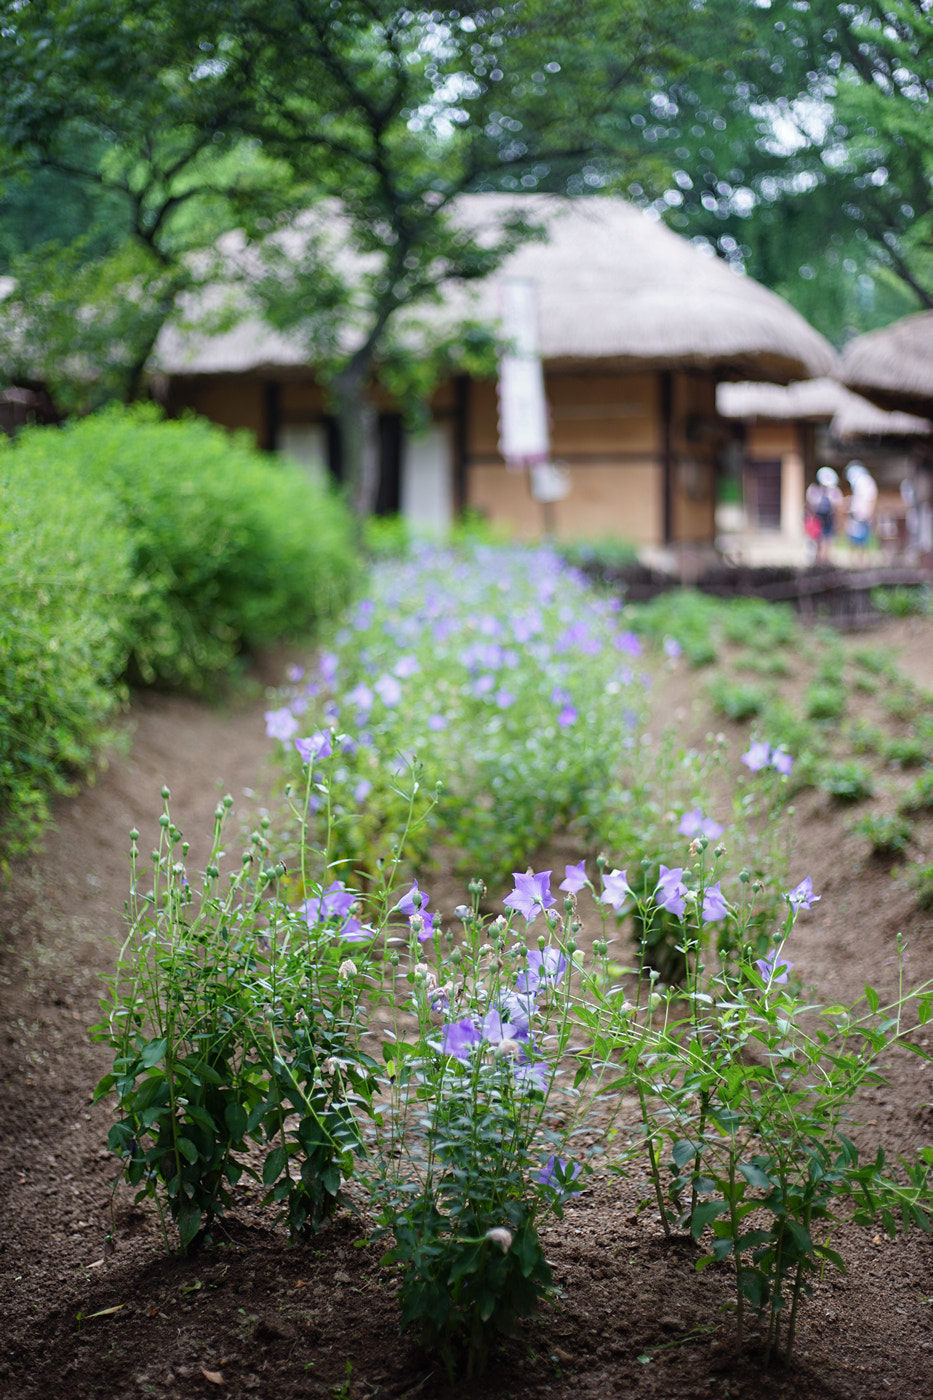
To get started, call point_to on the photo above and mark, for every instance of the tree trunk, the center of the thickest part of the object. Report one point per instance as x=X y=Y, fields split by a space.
x=359 y=441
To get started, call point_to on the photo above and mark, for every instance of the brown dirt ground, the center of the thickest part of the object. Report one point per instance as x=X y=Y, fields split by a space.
x=256 y=1318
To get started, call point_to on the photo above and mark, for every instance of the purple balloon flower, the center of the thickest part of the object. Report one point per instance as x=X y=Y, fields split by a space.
x=496 y=1030
x=575 y=878
x=543 y=969
x=802 y=896
x=670 y=891
x=389 y=690
x=315 y=746
x=714 y=905
x=616 y=890
x=460 y=1038
x=693 y=824
x=328 y=665
x=335 y=903
x=280 y=724
x=412 y=909
x=360 y=698
x=532 y=894
x=758 y=756
x=556 y=1174
x=781 y=761
x=773 y=968
x=630 y=643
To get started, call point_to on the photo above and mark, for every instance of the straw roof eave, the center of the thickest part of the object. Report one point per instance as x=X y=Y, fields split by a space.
x=613 y=287
x=893 y=367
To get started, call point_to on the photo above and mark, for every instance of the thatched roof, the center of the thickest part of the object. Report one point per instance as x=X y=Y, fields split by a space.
x=894 y=366
x=818 y=401
x=613 y=285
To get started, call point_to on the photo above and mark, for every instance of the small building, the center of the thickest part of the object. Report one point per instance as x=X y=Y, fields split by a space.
x=893 y=368
x=787 y=433
x=636 y=328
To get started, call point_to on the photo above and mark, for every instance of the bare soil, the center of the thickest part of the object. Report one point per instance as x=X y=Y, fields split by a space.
x=82 y=1316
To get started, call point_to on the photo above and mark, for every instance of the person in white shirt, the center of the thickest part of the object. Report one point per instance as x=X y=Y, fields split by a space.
x=861 y=504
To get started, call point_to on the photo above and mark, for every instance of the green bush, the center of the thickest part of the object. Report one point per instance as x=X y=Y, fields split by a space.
x=919 y=796
x=691 y=619
x=236 y=551
x=824 y=701
x=736 y=700
x=888 y=835
x=903 y=600
x=908 y=751
x=847 y=781
x=67 y=590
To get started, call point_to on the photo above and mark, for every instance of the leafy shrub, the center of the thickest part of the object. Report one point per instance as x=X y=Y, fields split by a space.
x=865 y=737
x=386 y=537
x=738 y=701
x=887 y=834
x=920 y=879
x=692 y=619
x=847 y=781
x=758 y=624
x=770 y=663
x=825 y=701
x=874 y=660
x=919 y=796
x=67 y=591
x=903 y=600
x=904 y=702
x=236 y=552
x=600 y=555
x=908 y=751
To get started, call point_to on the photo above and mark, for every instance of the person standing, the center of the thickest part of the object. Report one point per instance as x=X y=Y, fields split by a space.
x=823 y=501
x=861 y=505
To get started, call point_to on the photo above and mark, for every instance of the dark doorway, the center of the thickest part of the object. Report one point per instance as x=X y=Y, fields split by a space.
x=763 y=494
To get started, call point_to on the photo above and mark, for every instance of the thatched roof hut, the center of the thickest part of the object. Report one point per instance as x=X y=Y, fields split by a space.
x=818 y=401
x=613 y=285
x=635 y=327
x=893 y=367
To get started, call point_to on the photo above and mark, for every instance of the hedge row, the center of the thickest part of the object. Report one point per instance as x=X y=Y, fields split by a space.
x=141 y=551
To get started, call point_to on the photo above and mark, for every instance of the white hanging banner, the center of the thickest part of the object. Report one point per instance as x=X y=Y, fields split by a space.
x=549 y=482
x=523 y=418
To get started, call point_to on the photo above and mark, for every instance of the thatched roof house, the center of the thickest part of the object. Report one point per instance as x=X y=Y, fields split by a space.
x=848 y=415
x=894 y=366
x=636 y=327
x=826 y=424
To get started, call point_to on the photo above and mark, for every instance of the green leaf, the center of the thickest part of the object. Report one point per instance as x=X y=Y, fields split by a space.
x=153 y=1052
x=871 y=996
x=755 y=1176
x=683 y=1152
x=703 y=1214
x=236 y=1120
x=189 y=1222
x=274 y=1164
x=468 y=1260
x=187 y=1149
